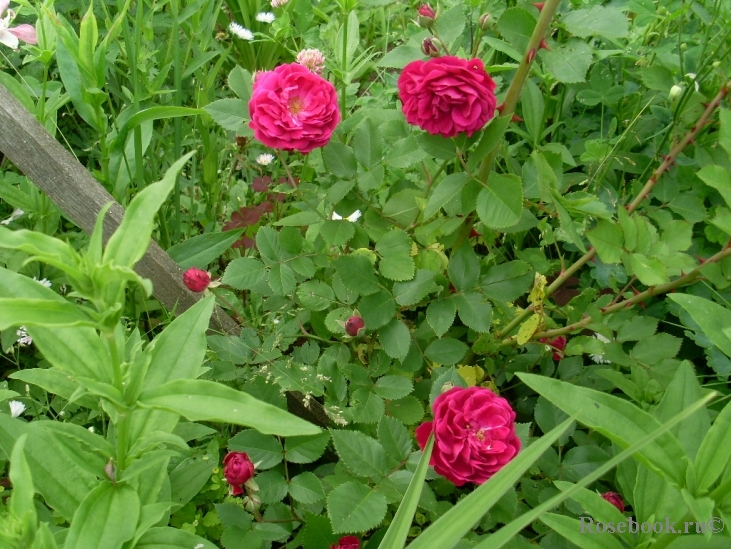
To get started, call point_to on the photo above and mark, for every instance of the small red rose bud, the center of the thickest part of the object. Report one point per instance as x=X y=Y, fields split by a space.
x=426 y=16
x=474 y=233
x=196 y=280
x=615 y=499
x=354 y=326
x=558 y=344
x=238 y=469
x=430 y=47
x=346 y=542
x=486 y=21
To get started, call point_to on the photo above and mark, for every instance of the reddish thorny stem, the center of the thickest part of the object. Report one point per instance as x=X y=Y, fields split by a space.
x=667 y=162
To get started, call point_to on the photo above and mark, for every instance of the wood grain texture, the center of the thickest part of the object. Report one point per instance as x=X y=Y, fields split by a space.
x=80 y=197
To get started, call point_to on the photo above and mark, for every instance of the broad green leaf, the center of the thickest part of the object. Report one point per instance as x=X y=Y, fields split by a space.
x=448 y=529
x=437 y=146
x=724 y=138
x=199 y=400
x=239 y=80
x=229 y=113
x=106 y=518
x=710 y=316
x=272 y=486
x=395 y=339
x=516 y=26
x=188 y=477
x=440 y=315
x=357 y=274
x=315 y=295
x=405 y=152
x=395 y=438
x=58 y=383
x=649 y=270
x=413 y=291
x=337 y=232
x=580 y=532
x=244 y=273
x=678 y=233
x=509 y=531
x=464 y=268
x=507 y=281
x=299 y=219
x=446 y=351
x=368 y=144
x=147 y=115
x=264 y=450
x=354 y=507
x=393 y=387
x=51 y=250
x=398 y=530
x=339 y=160
x=598 y=20
x=21 y=502
x=713 y=454
x=367 y=406
x=569 y=62
x=377 y=309
x=400 y=56
x=616 y=419
x=655 y=348
x=282 y=279
x=306 y=488
x=362 y=455
x=500 y=204
x=172 y=538
x=397 y=267
x=446 y=190
x=305 y=449
x=407 y=410
x=450 y=24
x=201 y=250
x=474 y=311
x=606 y=238
x=40 y=312
x=491 y=135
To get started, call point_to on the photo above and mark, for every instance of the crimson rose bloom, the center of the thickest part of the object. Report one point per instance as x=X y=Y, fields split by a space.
x=292 y=108
x=237 y=468
x=447 y=95
x=196 y=280
x=347 y=542
x=474 y=434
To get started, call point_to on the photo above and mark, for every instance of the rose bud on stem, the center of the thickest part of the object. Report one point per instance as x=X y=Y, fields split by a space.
x=354 y=326
x=615 y=499
x=426 y=16
x=430 y=46
x=196 y=280
x=238 y=470
x=346 y=542
x=558 y=344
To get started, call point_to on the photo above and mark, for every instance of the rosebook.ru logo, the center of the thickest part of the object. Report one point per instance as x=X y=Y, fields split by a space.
x=588 y=526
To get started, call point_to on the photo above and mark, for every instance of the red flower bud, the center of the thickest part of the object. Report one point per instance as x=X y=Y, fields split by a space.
x=558 y=344
x=615 y=499
x=474 y=233
x=426 y=11
x=486 y=21
x=347 y=542
x=354 y=326
x=238 y=469
x=196 y=280
x=430 y=47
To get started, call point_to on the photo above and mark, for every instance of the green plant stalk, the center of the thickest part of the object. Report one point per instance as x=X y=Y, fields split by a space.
x=123 y=417
x=177 y=124
x=668 y=161
x=521 y=74
x=344 y=66
x=507 y=532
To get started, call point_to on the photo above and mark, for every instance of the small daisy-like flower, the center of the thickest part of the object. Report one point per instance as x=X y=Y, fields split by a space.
x=352 y=217
x=43 y=282
x=16 y=408
x=265 y=159
x=265 y=17
x=241 y=32
x=313 y=59
x=599 y=359
x=23 y=338
x=279 y=3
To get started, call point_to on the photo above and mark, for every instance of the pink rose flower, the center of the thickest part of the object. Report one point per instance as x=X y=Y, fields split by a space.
x=292 y=108
x=196 y=280
x=615 y=499
x=447 y=95
x=474 y=434
x=238 y=469
x=425 y=10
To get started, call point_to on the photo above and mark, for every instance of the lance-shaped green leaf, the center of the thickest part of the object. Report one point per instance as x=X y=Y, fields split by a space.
x=21 y=502
x=199 y=400
x=46 y=248
x=455 y=523
x=713 y=454
x=398 y=530
x=507 y=532
x=579 y=532
x=106 y=518
x=40 y=312
x=130 y=241
x=617 y=419
x=711 y=317
x=172 y=538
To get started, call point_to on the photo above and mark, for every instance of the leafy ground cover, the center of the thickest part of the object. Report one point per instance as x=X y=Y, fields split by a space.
x=489 y=240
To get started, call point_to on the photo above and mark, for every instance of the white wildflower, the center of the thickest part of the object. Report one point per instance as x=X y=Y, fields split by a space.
x=241 y=32
x=352 y=217
x=265 y=159
x=43 y=282
x=675 y=92
x=265 y=17
x=16 y=408
x=599 y=359
x=23 y=338
x=313 y=59
x=91 y=429
x=13 y=216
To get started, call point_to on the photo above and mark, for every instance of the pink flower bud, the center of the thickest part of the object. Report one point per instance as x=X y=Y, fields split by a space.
x=430 y=47
x=615 y=499
x=426 y=11
x=347 y=542
x=196 y=280
x=238 y=469
x=486 y=21
x=354 y=326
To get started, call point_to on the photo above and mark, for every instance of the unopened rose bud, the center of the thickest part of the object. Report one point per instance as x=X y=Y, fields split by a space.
x=426 y=16
x=429 y=47
x=675 y=92
x=237 y=469
x=558 y=344
x=615 y=499
x=196 y=280
x=354 y=326
x=486 y=21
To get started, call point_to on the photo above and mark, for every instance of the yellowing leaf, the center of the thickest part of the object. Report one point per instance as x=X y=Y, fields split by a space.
x=538 y=293
x=471 y=374
x=365 y=252
x=528 y=328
